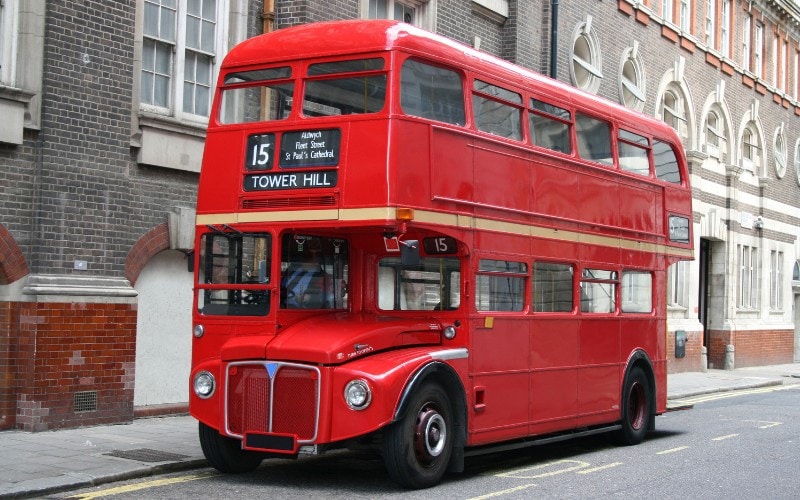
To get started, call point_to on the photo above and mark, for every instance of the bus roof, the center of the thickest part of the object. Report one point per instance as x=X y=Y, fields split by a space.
x=349 y=37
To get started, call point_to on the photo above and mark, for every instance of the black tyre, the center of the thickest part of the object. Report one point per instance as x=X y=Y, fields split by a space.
x=637 y=407
x=418 y=447
x=226 y=454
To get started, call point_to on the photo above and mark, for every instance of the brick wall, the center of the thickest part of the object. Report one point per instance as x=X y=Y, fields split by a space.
x=752 y=347
x=66 y=349
x=693 y=353
x=8 y=406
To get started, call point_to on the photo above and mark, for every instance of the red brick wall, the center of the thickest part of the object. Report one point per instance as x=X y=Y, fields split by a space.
x=8 y=407
x=68 y=348
x=692 y=361
x=751 y=347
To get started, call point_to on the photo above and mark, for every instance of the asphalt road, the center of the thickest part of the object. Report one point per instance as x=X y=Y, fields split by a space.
x=743 y=444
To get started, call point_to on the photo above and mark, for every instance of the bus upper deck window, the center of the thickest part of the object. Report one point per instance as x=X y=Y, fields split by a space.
x=666 y=162
x=258 y=95
x=432 y=92
x=497 y=110
x=594 y=139
x=633 y=155
x=550 y=126
x=362 y=90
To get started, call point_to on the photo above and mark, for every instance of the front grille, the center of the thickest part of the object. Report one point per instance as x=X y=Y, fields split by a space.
x=273 y=397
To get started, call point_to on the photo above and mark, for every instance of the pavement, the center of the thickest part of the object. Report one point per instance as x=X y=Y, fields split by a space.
x=34 y=464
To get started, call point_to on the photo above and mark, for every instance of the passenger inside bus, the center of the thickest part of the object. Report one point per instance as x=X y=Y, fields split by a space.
x=305 y=285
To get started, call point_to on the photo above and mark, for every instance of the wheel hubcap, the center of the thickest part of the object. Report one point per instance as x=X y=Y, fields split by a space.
x=636 y=406
x=430 y=434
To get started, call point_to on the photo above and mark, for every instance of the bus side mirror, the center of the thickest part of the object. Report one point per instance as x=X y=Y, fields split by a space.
x=409 y=253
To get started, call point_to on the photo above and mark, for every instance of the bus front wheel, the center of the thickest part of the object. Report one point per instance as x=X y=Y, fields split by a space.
x=637 y=406
x=417 y=448
x=226 y=454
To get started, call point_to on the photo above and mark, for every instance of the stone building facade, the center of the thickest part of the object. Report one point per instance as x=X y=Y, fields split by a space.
x=104 y=106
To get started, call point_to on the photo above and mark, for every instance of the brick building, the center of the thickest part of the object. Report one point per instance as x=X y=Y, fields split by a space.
x=104 y=106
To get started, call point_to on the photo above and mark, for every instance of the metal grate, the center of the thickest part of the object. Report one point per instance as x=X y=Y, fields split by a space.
x=291 y=202
x=84 y=401
x=290 y=393
x=146 y=455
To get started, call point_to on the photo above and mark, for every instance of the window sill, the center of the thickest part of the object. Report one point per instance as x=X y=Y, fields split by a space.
x=169 y=143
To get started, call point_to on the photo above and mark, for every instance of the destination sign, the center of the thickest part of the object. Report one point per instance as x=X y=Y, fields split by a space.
x=260 y=152
x=441 y=245
x=290 y=180
x=678 y=229
x=310 y=148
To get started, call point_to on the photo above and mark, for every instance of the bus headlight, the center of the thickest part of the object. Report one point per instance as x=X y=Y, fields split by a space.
x=450 y=332
x=204 y=385
x=357 y=394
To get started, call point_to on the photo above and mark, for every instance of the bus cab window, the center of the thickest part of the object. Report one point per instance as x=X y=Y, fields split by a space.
x=431 y=92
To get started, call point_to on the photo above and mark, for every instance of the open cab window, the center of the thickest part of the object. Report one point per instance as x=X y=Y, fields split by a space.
x=234 y=274
x=431 y=285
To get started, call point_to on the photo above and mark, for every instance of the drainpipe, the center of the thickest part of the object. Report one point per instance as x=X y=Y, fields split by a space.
x=268 y=18
x=553 y=38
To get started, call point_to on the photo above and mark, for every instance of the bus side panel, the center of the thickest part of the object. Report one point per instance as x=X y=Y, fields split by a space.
x=363 y=180
x=598 y=374
x=599 y=201
x=220 y=182
x=555 y=191
x=554 y=373
x=502 y=175
x=452 y=165
x=499 y=368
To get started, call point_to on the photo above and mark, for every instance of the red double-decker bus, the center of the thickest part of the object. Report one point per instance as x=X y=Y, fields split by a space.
x=407 y=244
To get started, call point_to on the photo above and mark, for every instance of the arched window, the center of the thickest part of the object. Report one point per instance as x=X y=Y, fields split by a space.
x=779 y=148
x=587 y=62
x=797 y=160
x=751 y=148
x=631 y=79
x=673 y=111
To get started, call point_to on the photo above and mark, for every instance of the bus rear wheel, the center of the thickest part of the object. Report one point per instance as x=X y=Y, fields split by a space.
x=417 y=448
x=226 y=454
x=637 y=404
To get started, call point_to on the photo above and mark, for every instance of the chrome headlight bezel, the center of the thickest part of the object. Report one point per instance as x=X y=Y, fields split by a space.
x=204 y=384
x=357 y=394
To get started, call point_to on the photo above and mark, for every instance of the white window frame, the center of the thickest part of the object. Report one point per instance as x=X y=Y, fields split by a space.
x=667 y=12
x=177 y=82
x=715 y=132
x=747 y=257
x=746 y=34
x=776 y=280
x=9 y=33
x=758 y=51
x=785 y=66
x=725 y=29
x=775 y=49
x=424 y=11
x=677 y=279
x=751 y=150
x=674 y=115
x=685 y=15
x=711 y=23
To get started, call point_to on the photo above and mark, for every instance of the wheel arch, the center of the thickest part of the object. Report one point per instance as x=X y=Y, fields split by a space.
x=445 y=375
